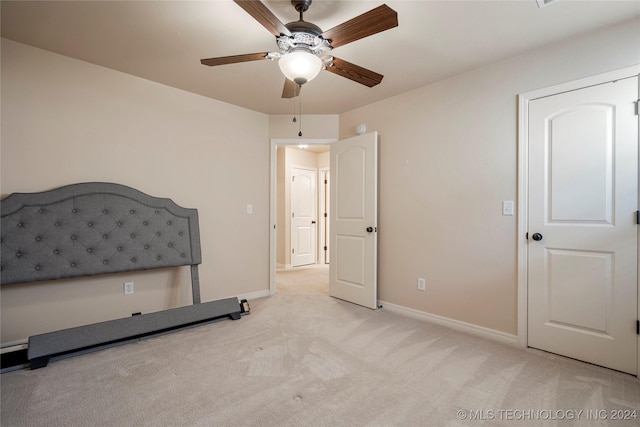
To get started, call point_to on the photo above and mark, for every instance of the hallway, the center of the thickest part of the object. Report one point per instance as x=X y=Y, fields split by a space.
x=310 y=280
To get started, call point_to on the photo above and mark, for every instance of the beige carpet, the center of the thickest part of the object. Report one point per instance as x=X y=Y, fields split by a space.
x=310 y=279
x=306 y=359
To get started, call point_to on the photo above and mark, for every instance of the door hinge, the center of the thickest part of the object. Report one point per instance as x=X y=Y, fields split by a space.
x=637 y=217
x=527 y=236
x=293 y=214
x=325 y=214
x=326 y=182
x=637 y=327
x=293 y=179
x=293 y=251
x=638 y=107
x=325 y=248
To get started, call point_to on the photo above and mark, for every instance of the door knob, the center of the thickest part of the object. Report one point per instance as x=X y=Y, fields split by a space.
x=369 y=229
x=537 y=237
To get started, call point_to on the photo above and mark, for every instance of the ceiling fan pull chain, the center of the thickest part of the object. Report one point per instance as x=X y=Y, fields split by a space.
x=300 y=110
x=293 y=98
x=294 y=111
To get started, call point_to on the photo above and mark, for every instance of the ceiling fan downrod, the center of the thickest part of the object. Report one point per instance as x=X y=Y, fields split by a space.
x=301 y=6
x=302 y=26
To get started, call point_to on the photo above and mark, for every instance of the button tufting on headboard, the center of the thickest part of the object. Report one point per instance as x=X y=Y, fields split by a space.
x=84 y=227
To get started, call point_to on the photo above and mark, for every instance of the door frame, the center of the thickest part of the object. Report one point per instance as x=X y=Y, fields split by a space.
x=523 y=181
x=273 y=202
x=322 y=208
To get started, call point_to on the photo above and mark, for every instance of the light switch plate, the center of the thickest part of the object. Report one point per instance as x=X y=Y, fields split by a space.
x=507 y=208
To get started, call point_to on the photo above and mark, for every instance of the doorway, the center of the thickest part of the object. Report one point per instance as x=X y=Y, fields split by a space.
x=578 y=237
x=306 y=280
x=304 y=155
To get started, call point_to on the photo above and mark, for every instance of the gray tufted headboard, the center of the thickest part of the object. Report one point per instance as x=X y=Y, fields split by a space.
x=93 y=228
x=99 y=228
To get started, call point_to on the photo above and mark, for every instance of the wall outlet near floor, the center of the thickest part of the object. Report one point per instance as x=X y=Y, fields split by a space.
x=422 y=284
x=128 y=288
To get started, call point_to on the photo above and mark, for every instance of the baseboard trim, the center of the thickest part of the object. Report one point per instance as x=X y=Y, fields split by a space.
x=14 y=346
x=457 y=325
x=255 y=295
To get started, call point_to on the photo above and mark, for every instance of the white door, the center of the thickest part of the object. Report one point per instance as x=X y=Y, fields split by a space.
x=582 y=232
x=353 y=258
x=303 y=216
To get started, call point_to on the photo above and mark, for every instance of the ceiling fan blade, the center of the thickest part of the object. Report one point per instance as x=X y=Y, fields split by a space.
x=380 y=19
x=264 y=16
x=290 y=89
x=355 y=72
x=223 y=60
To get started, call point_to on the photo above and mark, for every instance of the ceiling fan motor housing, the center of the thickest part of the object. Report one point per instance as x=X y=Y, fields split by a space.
x=306 y=36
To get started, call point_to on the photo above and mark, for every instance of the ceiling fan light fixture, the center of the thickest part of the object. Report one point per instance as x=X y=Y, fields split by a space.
x=304 y=49
x=300 y=66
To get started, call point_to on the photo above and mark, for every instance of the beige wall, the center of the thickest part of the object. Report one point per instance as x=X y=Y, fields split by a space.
x=448 y=158
x=324 y=160
x=314 y=126
x=66 y=121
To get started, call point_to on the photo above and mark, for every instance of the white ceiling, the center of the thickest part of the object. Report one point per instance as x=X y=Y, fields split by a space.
x=163 y=41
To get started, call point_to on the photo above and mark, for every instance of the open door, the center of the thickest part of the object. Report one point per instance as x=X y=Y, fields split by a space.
x=354 y=215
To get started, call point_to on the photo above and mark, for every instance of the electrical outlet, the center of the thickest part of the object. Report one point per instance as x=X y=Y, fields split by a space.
x=422 y=284
x=128 y=288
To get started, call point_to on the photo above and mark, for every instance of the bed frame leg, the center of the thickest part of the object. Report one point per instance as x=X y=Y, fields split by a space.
x=235 y=316
x=39 y=362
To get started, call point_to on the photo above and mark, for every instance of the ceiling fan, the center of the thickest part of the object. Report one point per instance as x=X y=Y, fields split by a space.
x=304 y=49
